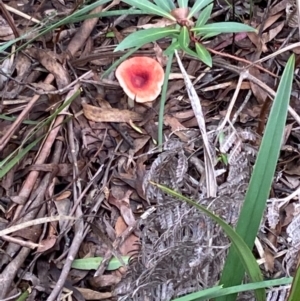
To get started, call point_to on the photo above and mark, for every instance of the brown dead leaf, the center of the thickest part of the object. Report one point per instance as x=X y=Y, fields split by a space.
x=280 y=6
x=109 y=115
x=160 y=56
x=123 y=205
x=50 y=61
x=63 y=195
x=104 y=280
x=271 y=20
x=6 y=33
x=269 y=260
x=289 y=214
x=89 y=294
x=157 y=23
x=272 y=33
x=46 y=244
x=176 y=127
x=131 y=243
x=260 y=94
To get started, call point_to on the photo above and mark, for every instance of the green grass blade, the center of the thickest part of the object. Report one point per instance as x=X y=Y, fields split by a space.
x=80 y=12
x=167 y=5
x=182 y=3
x=145 y=36
x=201 y=295
x=203 y=54
x=295 y=290
x=7 y=163
x=198 y=5
x=244 y=253
x=163 y=99
x=184 y=37
x=172 y=47
x=10 y=164
x=92 y=263
x=204 y=15
x=219 y=291
x=224 y=27
x=150 y=8
x=9 y=118
x=261 y=179
x=110 y=13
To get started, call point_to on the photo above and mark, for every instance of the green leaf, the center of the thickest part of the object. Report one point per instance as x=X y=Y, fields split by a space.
x=198 y=5
x=223 y=27
x=143 y=37
x=167 y=5
x=182 y=3
x=218 y=291
x=261 y=179
x=203 y=54
x=184 y=37
x=171 y=48
x=164 y=98
x=210 y=35
x=244 y=253
x=92 y=263
x=190 y=52
x=150 y=8
x=295 y=289
x=10 y=164
x=204 y=15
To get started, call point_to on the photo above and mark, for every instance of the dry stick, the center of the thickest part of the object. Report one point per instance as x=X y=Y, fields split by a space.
x=12 y=130
x=73 y=47
x=12 y=268
x=279 y=51
x=77 y=41
x=20 y=242
x=244 y=74
x=211 y=184
x=43 y=155
x=242 y=60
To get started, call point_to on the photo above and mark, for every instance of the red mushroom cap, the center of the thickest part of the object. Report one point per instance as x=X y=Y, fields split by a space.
x=141 y=78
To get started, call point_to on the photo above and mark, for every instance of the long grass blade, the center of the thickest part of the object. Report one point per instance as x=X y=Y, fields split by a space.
x=261 y=179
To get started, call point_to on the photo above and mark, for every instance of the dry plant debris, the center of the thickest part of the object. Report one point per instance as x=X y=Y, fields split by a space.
x=94 y=158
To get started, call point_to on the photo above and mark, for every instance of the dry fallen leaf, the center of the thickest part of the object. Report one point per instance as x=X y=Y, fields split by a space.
x=109 y=115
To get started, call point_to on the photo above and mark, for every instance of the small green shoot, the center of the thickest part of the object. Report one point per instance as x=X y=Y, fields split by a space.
x=92 y=263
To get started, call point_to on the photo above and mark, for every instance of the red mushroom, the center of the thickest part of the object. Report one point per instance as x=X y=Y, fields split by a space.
x=141 y=78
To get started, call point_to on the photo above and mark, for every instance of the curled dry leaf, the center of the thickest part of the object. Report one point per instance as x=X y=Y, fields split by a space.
x=157 y=24
x=89 y=294
x=46 y=244
x=6 y=33
x=50 y=61
x=123 y=205
x=131 y=242
x=109 y=115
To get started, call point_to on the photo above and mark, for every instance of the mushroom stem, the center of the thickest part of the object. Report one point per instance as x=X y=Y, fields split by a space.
x=130 y=103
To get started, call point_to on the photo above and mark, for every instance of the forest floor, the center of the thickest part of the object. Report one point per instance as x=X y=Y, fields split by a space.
x=76 y=154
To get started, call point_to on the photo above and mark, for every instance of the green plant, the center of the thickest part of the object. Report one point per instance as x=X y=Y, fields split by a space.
x=261 y=179
x=240 y=257
x=187 y=33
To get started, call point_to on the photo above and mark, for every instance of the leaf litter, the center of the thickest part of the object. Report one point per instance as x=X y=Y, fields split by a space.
x=94 y=159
